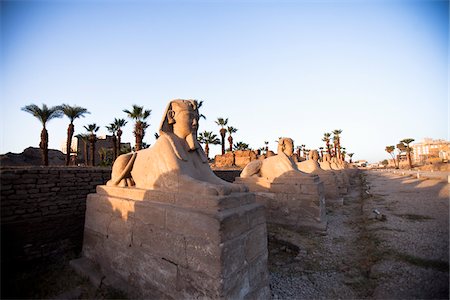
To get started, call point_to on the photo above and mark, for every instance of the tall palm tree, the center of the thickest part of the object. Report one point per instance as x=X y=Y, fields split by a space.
x=231 y=130
x=44 y=115
x=390 y=150
x=207 y=137
x=113 y=129
x=408 y=149
x=222 y=123
x=92 y=128
x=139 y=115
x=326 y=139
x=241 y=146
x=72 y=112
x=119 y=123
x=85 y=138
x=337 y=142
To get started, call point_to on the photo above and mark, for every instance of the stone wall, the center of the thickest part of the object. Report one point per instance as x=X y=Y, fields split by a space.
x=42 y=210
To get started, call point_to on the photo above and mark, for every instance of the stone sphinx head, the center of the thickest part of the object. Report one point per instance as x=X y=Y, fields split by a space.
x=327 y=157
x=181 y=118
x=314 y=155
x=286 y=145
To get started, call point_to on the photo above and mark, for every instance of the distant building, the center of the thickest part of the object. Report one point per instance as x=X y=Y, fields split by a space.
x=430 y=149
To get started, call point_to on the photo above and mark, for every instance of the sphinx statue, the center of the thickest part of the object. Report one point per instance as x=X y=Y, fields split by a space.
x=274 y=166
x=312 y=166
x=292 y=198
x=176 y=162
x=329 y=165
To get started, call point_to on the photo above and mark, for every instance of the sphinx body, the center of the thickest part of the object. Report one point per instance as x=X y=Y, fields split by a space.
x=176 y=162
x=275 y=166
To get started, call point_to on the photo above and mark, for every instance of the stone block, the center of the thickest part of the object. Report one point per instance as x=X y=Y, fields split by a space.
x=160 y=243
x=256 y=242
x=291 y=199
x=150 y=214
x=203 y=256
x=192 y=223
x=181 y=251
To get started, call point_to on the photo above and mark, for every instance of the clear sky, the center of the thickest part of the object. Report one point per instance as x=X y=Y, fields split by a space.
x=376 y=69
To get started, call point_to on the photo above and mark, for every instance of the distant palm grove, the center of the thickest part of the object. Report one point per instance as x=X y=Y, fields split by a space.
x=140 y=116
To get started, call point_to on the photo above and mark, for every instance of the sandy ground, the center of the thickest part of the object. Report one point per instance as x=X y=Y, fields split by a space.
x=402 y=253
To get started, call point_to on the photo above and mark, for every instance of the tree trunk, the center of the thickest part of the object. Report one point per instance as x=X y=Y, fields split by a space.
x=119 y=140
x=408 y=155
x=230 y=141
x=207 y=150
x=114 y=140
x=44 y=146
x=92 y=139
x=223 y=132
x=139 y=133
x=70 y=131
x=85 y=153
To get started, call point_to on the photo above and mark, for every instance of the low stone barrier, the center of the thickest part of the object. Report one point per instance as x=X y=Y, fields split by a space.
x=42 y=209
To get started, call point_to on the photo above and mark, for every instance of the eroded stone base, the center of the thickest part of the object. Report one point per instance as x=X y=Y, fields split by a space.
x=178 y=245
x=296 y=203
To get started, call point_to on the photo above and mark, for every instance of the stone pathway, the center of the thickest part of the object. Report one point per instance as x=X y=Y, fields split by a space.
x=399 y=252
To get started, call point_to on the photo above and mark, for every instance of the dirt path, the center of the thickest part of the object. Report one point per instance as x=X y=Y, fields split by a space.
x=403 y=254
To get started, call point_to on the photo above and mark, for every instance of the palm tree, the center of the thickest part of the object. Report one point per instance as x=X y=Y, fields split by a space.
x=222 y=123
x=321 y=153
x=92 y=128
x=408 y=149
x=231 y=130
x=326 y=139
x=85 y=138
x=119 y=123
x=44 y=115
x=298 y=150
x=72 y=112
x=113 y=129
x=351 y=155
x=199 y=104
x=140 y=115
x=303 y=146
x=390 y=150
x=207 y=137
x=241 y=146
x=337 y=142
x=267 y=146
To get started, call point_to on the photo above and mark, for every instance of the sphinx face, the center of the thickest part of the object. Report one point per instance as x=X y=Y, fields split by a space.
x=289 y=149
x=186 y=126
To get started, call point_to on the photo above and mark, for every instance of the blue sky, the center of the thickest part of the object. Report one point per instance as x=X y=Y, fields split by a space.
x=376 y=69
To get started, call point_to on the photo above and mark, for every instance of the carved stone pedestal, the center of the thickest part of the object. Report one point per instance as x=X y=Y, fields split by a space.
x=330 y=184
x=181 y=246
x=296 y=202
